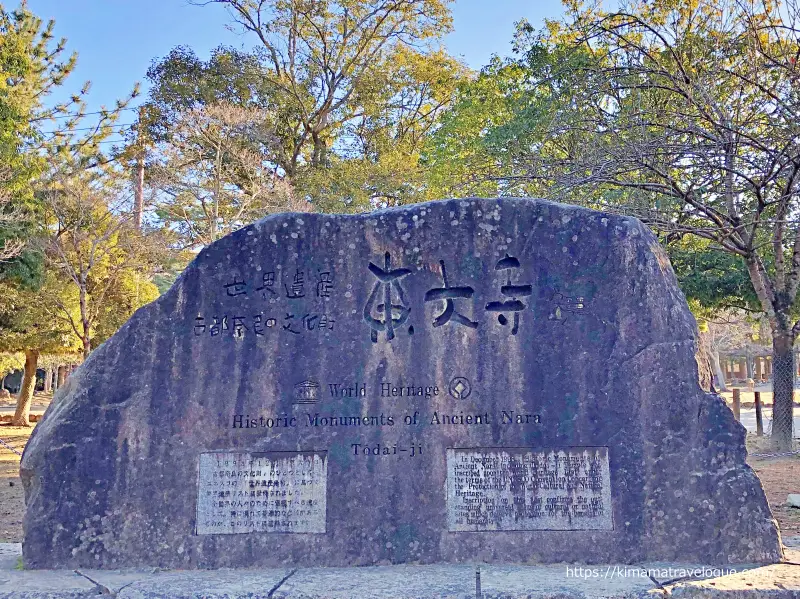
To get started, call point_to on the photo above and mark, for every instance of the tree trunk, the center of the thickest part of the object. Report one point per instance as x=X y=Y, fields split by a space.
x=61 y=376
x=719 y=375
x=138 y=192
x=48 y=379
x=217 y=192
x=25 y=396
x=782 y=388
x=319 y=156
x=86 y=337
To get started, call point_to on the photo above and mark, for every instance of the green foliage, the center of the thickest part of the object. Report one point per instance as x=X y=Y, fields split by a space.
x=501 y=123
x=713 y=279
x=346 y=93
x=28 y=318
x=38 y=142
x=170 y=269
x=34 y=136
x=460 y=158
x=101 y=260
x=182 y=81
x=9 y=362
x=131 y=292
x=29 y=64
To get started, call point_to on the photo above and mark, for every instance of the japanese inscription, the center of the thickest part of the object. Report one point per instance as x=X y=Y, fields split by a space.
x=297 y=288
x=267 y=287
x=449 y=294
x=294 y=286
x=310 y=294
x=260 y=324
x=296 y=318
x=388 y=315
x=241 y=492
x=524 y=489
x=514 y=305
x=380 y=311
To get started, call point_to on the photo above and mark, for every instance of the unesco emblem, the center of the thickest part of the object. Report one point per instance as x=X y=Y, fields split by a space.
x=306 y=392
x=459 y=387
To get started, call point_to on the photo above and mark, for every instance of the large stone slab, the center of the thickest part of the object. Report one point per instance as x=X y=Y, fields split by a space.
x=439 y=581
x=475 y=380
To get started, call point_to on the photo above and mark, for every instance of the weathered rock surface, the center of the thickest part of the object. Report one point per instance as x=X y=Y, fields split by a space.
x=476 y=380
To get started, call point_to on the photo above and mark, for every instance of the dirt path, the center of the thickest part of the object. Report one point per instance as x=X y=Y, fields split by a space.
x=779 y=477
x=12 y=505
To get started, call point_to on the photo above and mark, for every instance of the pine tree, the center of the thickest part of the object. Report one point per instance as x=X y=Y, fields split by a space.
x=35 y=136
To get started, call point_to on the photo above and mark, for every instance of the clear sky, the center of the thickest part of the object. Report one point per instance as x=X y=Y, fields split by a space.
x=116 y=40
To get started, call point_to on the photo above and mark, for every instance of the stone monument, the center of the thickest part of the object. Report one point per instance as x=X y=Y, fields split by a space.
x=467 y=380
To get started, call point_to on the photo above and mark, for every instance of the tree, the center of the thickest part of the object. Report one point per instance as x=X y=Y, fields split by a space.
x=9 y=362
x=33 y=137
x=29 y=326
x=33 y=65
x=471 y=151
x=716 y=280
x=212 y=178
x=346 y=85
x=30 y=66
x=718 y=288
x=97 y=252
x=687 y=115
x=730 y=330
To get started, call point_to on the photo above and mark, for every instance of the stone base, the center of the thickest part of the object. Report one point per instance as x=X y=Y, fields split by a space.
x=561 y=581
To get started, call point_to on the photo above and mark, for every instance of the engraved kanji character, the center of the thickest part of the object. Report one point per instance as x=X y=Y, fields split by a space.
x=310 y=321
x=325 y=284
x=217 y=325
x=390 y=315
x=199 y=325
x=513 y=291
x=297 y=289
x=258 y=325
x=271 y=322
x=236 y=288
x=288 y=325
x=326 y=322
x=238 y=326
x=448 y=294
x=267 y=282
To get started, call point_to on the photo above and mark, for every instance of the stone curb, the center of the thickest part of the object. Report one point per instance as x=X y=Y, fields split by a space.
x=779 y=581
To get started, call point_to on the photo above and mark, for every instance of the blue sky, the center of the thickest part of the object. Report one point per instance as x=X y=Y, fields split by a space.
x=116 y=40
